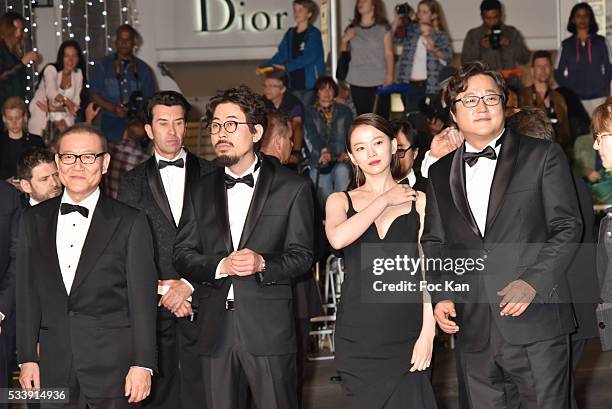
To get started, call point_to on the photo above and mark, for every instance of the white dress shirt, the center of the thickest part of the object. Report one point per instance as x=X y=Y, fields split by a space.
x=173 y=179
x=478 y=180
x=238 y=202
x=70 y=237
x=32 y=201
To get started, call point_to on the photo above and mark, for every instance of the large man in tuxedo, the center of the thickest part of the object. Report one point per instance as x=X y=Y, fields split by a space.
x=159 y=186
x=86 y=284
x=508 y=200
x=246 y=233
x=9 y=219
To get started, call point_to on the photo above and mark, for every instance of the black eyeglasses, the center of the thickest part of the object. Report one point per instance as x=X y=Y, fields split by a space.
x=229 y=126
x=472 y=100
x=402 y=152
x=85 y=158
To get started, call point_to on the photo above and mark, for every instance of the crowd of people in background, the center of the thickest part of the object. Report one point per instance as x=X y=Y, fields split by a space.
x=364 y=166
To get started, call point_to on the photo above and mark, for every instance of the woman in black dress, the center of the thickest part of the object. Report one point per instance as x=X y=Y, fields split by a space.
x=384 y=339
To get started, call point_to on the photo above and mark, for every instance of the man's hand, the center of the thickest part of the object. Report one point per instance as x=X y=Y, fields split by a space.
x=91 y=112
x=517 y=297
x=445 y=142
x=29 y=376
x=137 y=384
x=120 y=110
x=245 y=262
x=184 y=310
x=279 y=67
x=442 y=312
x=504 y=41
x=177 y=294
x=485 y=42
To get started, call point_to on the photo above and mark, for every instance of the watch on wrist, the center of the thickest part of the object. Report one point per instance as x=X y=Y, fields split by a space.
x=262 y=265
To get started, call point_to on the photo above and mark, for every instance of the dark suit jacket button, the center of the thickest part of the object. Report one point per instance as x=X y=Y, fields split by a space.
x=602 y=325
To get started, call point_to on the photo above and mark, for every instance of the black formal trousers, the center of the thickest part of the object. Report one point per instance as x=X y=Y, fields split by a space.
x=179 y=381
x=540 y=371
x=271 y=379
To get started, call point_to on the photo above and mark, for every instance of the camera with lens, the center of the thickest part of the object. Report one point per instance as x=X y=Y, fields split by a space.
x=495 y=37
x=404 y=9
x=135 y=105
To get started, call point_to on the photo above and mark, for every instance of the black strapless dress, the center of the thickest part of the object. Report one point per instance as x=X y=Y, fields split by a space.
x=375 y=340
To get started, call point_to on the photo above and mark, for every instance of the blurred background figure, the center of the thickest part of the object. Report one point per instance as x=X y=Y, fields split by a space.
x=584 y=59
x=13 y=57
x=57 y=98
x=426 y=51
x=326 y=125
x=300 y=53
x=368 y=38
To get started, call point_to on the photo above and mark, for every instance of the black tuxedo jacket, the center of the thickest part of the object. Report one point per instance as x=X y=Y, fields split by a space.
x=107 y=323
x=9 y=220
x=142 y=188
x=533 y=223
x=278 y=226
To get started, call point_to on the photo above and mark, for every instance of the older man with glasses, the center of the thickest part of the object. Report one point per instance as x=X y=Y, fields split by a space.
x=86 y=287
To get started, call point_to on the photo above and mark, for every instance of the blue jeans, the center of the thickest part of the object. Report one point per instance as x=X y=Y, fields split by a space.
x=335 y=181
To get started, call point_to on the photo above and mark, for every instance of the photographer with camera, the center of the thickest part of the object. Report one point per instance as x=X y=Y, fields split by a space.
x=498 y=45
x=426 y=50
x=121 y=84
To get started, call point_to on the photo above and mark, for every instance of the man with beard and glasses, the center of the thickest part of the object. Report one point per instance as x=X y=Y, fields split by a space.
x=246 y=232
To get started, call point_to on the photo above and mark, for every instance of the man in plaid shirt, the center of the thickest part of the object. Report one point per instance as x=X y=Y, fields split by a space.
x=125 y=156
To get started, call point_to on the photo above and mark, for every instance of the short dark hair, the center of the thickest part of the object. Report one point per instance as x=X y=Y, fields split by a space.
x=251 y=104
x=533 y=122
x=459 y=82
x=82 y=128
x=277 y=122
x=325 y=81
x=311 y=6
x=593 y=26
x=406 y=127
x=32 y=158
x=278 y=75
x=167 y=98
x=488 y=5
x=541 y=54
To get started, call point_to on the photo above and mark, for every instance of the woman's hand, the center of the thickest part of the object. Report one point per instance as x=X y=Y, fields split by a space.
x=348 y=35
x=398 y=195
x=30 y=56
x=422 y=351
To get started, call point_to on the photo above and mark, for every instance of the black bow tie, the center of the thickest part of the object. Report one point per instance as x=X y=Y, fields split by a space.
x=230 y=182
x=179 y=163
x=66 y=208
x=472 y=157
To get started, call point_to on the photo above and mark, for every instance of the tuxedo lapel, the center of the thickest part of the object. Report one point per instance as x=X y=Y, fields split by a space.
x=192 y=170
x=220 y=199
x=262 y=188
x=157 y=188
x=504 y=170
x=458 y=192
x=103 y=224
x=47 y=226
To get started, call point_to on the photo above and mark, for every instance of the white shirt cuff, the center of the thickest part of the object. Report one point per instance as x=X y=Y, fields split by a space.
x=189 y=284
x=218 y=273
x=428 y=160
x=142 y=367
x=2 y=316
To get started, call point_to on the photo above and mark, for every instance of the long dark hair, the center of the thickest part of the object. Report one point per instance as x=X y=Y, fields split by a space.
x=593 y=27
x=59 y=61
x=380 y=13
x=383 y=126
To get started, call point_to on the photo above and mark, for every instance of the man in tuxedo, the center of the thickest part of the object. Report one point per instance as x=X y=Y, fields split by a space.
x=159 y=187
x=9 y=218
x=507 y=200
x=246 y=233
x=38 y=176
x=86 y=284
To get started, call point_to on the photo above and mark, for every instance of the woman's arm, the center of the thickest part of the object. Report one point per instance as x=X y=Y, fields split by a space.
x=388 y=42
